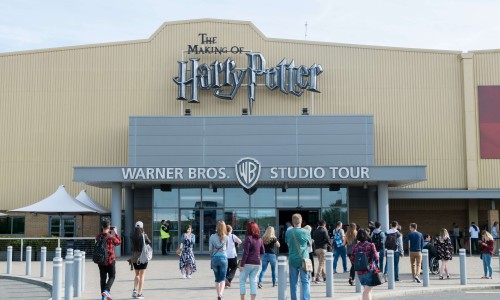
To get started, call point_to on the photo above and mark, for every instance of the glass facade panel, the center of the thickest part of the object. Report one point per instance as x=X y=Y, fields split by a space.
x=334 y=214
x=263 y=197
x=287 y=198
x=309 y=197
x=237 y=218
x=334 y=198
x=190 y=198
x=166 y=199
x=171 y=215
x=264 y=218
x=236 y=198
x=213 y=199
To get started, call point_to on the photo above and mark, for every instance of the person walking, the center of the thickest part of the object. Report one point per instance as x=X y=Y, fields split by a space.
x=232 y=255
x=187 y=263
x=394 y=241
x=486 y=246
x=165 y=237
x=107 y=270
x=350 y=241
x=339 y=247
x=217 y=246
x=139 y=240
x=368 y=248
x=253 y=247
x=310 y=251
x=298 y=239
x=321 y=242
x=270 y=242
x=444 y=252
x=377 y=237
x=474 y=238
x=416 y=240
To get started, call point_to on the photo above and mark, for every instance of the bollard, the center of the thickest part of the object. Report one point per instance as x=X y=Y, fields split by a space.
x=43 y=258
x=69 y=251
x=463 y=267
x=57 y=278
x=329 y=275
x=77 y=274
x=28 y=261
x=58 y=252
x=425 y=267
x=390 y=269
x=68 y=275
x=9 y=259
x=83 y=271
x=358 y=284
x=282 y=275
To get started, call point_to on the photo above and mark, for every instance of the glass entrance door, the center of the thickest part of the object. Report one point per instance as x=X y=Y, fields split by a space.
x=203 y=221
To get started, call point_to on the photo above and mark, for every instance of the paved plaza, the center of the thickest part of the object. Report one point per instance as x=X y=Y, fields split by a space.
x=163 y=281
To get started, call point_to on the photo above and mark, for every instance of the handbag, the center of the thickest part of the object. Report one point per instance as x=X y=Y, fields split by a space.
x=178 y=251
x=377 y=277
x=146 y=253
x=306 y=262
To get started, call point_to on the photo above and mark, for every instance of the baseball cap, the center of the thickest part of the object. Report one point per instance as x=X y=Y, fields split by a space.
x=139 y=224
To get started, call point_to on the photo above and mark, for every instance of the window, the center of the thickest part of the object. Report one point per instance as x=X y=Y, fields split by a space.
x=68 y=228
x=11 y=225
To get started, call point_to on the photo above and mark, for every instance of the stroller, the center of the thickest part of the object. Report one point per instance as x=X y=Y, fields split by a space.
x=433 y=259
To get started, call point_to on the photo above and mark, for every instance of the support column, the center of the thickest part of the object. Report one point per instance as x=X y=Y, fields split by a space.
x=116 y=211
x=473 y=212
x=372 y=203
x=129 y=219
x=383 y=205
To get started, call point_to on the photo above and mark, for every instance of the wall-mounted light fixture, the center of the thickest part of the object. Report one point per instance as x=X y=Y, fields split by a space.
x=132 y=186
x=305 y=111
x=165 y=187
x=284 y=188
x=244 y=111
x=212 y=187
x=365 y=185
x=334 y=187
x=187 y=112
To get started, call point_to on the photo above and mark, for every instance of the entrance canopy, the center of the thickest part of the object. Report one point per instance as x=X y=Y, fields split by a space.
x=84 y=198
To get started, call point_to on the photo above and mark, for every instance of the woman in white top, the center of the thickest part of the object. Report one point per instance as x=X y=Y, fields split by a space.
x=232 y=255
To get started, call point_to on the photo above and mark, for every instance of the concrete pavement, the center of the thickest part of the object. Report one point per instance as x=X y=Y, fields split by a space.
x=163 y=281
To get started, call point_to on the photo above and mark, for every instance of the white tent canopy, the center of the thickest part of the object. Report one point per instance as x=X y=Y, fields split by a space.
x=60 y=203
x=84 y=198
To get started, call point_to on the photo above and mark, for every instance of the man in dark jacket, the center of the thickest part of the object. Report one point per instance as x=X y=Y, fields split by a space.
x=321 y=242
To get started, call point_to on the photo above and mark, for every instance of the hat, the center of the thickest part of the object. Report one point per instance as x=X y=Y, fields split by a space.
x=139 y=224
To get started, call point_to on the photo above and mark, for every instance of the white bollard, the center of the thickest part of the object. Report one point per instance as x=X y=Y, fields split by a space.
x=57 y=266
x=9 y=259
x=425 y=267
x=83 y=270
x=58 y=252
x=77 y=274
x=390 y=269
x=28 y=261
x=282 y=277
x=463 y=267
x=329 y=275
x=68 y=275
x=43 y=260
x=358 y=284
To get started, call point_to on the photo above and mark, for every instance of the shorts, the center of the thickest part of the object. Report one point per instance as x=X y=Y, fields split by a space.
x=141 y=266
x=219 y=266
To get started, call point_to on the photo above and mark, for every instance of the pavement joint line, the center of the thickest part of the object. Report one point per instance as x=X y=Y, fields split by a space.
x=44 y=284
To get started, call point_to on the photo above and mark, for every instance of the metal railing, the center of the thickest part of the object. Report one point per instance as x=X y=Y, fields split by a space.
x=51 y=243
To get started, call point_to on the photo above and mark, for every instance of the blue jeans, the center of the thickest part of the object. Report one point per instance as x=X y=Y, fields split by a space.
x=219 y=266
x=266 y=259
x=381 y=260
x=295 y=272
x=487 y=265
x=396 y=265
x=249 y=272
x=342 y=252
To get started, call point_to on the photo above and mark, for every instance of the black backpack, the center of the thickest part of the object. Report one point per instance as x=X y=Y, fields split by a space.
x=377 y=240
x=101 y=254
x=360 y=261
x=391 y=241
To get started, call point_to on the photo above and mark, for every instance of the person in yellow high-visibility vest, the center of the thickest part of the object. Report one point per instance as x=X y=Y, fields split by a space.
x=165 y=237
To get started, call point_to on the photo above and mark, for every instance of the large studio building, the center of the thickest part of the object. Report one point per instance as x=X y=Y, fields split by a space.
x=209 y=119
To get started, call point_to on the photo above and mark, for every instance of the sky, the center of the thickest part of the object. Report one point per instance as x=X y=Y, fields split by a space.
x=462 y=25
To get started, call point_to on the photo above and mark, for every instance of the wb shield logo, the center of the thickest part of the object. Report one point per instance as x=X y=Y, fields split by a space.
x=247 y=171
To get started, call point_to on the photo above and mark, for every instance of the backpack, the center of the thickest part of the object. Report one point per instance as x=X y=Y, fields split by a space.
x=377 y=240
x=100 y=254
x=337 y=238
x=391 y=241
x=360 y=262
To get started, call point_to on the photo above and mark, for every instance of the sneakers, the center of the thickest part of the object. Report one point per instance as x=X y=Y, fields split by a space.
x=189 y=277
x=417 y=279
x=140 y=296
x=134 y=294
x=184 y=276
x=107 y=295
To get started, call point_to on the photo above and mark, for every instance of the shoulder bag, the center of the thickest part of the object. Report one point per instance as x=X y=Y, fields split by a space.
x=306 y=262
x=146 y=253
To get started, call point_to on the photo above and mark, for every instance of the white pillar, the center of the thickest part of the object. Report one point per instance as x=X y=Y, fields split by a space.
x=116 y=211
x=383 y=205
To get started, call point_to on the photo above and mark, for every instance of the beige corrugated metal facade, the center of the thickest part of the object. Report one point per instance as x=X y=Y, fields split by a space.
x=67 y=107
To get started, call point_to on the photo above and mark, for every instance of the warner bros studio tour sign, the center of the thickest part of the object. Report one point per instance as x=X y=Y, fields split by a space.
x=226 y=78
